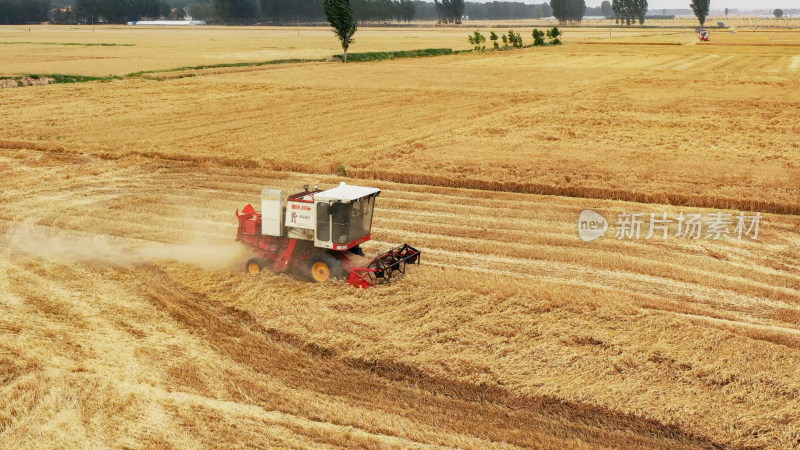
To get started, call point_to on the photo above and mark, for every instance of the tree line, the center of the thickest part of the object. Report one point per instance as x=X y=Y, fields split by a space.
x=17 y=12
x=266 y=11
x=568 y=10
x=121 y=10
x=628 y=11
x=118 y=11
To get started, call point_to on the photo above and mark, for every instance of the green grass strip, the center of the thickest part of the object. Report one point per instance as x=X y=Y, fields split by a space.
x=379 y=56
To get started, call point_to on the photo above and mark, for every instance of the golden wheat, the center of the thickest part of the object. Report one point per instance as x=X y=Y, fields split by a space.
x=126 y=321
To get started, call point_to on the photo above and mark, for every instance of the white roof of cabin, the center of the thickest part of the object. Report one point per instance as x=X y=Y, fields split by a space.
x=346 y=192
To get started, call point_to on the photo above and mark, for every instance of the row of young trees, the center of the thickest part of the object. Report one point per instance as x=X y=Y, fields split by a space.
x=629 y=11
x=512 y=39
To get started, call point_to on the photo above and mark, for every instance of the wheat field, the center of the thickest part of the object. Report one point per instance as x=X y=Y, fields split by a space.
x=126 y=320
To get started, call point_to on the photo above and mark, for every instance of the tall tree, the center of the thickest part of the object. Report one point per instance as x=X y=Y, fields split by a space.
x=616 y=6
x=559 y=10
x=14 y=12
x=235 y=9
x=456 y=10
x=605 y=8
x=88 y=8
x=340 y=16
x=440 y=11
x=565 y=10
x=700 y=9
x=641 y=10
x=726 y=12
x=408 y=10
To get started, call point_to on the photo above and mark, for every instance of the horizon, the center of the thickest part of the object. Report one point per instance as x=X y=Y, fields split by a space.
x=742 y=5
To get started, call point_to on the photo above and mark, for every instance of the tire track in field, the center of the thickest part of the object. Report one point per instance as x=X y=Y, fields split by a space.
x=377 y=386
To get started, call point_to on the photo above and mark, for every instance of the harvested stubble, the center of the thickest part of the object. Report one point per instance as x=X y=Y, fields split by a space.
x=517 y=332
x=702 y=126
x=126 y=320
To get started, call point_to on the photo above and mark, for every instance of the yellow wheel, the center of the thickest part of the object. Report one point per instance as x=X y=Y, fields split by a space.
x=254 y=266
x=320 y=271
x=324 y=266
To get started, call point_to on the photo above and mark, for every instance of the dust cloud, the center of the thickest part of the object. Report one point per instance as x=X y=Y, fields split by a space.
x=68 y=245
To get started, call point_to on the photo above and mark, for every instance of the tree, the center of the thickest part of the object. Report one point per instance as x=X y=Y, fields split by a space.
x=700 y=9
x=14 y=12
x=340 y=16
x=202 y=11
x=627 y=11
x=568 y=10
x=605 y=8
x=553 y=35
x=379 y=10
x=457 y=10
x=538 y=37
x=439 y=11
x=778 y=13
x=726 y=12
x=640 y=7
x=493 y=37
x=449 y=11
x=88 y=8
x=409 y=10
x=477 y=40
x=235 y=9
x=622 y=10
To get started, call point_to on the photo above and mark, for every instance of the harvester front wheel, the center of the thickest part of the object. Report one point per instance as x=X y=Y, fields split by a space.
x=324 y=266
x=254 y=265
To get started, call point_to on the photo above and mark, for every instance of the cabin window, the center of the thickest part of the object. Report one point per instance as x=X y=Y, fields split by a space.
x=323 y=222
x=340 y=222
x=361 y=218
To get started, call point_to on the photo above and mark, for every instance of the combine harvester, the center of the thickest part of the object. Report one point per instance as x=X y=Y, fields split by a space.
x=316 y=233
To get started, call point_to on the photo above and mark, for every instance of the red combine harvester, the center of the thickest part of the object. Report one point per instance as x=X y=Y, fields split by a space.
x=318 y=233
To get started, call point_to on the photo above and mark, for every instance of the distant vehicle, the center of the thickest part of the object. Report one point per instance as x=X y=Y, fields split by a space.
x=704 y=35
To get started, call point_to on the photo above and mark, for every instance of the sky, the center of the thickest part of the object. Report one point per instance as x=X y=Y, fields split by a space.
x=715 y=4
x=721 y=4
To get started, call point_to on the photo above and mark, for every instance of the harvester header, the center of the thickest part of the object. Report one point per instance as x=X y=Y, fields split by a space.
x=318 y=233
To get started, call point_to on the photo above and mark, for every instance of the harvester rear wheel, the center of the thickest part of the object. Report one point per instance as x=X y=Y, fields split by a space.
x=254 y=265
x=324 y=266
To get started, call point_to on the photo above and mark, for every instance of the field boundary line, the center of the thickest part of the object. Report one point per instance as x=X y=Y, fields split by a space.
x=720 y=203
